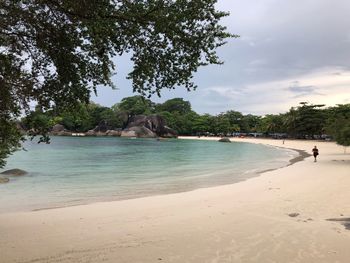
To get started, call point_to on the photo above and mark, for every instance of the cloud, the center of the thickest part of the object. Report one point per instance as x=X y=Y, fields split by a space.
x=319 y=86
x=288 y=51
x=302 y=91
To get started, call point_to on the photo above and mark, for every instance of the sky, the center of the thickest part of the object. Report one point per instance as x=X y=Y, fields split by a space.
x=288 y=52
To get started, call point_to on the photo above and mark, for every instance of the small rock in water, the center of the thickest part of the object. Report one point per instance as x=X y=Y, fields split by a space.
x=293 y=214
x=14 y=172
x=4 y=180
x=224 y=139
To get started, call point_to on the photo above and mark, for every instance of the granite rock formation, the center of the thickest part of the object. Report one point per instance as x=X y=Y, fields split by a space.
x=147 y=127
x=60 y=130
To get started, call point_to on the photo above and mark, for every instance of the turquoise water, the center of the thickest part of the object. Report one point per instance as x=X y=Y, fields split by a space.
x=74 y=170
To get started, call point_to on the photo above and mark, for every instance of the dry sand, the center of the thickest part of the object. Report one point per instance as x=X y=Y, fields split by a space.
x=280 y=216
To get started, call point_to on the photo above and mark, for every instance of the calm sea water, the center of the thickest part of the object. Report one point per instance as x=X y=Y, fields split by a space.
x=73 y=171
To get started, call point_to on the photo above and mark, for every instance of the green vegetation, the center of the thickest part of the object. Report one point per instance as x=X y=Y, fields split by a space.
x=338 y=124
x=55 y=53
x=302 y=122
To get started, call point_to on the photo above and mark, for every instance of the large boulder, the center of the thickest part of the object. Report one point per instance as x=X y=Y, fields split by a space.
x=128 y=133
x=115 y=133
x=103 y=129
x=90 y=133
x=4 y=180
x=169 y=133
x=14 y=172
x=95 y=133
x=153 y=123
x=60 y=130
x=140 y=132
x=103 y=126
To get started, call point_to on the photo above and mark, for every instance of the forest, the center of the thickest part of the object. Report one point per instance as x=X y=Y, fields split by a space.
x=303 y=121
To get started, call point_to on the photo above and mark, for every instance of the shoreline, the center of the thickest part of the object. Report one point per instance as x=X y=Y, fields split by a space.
x=301 y=155
x=297 y=213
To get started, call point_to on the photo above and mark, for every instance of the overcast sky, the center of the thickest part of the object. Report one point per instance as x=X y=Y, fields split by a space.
x=289 y=51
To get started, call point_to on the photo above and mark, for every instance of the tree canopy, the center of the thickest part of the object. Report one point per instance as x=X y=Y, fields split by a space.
x=175 y=105
x=338 y=124
x=56 y=52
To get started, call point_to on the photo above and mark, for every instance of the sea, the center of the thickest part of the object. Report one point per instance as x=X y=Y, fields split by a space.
x=79 y=170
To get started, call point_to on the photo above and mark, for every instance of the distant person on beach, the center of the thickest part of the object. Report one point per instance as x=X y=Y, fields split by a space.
x=315 y=153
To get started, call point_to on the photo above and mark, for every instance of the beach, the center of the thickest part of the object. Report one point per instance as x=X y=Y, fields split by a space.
x=299 y=213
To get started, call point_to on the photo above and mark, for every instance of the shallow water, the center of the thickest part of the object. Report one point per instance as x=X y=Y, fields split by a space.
x=74 y=170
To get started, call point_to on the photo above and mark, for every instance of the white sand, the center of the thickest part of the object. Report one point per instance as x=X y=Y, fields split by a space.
x=243 y=222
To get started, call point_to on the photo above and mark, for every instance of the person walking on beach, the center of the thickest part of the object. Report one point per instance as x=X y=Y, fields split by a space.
x=315 y=153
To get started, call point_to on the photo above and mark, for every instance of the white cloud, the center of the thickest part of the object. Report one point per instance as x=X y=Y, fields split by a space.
x=320 y=86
